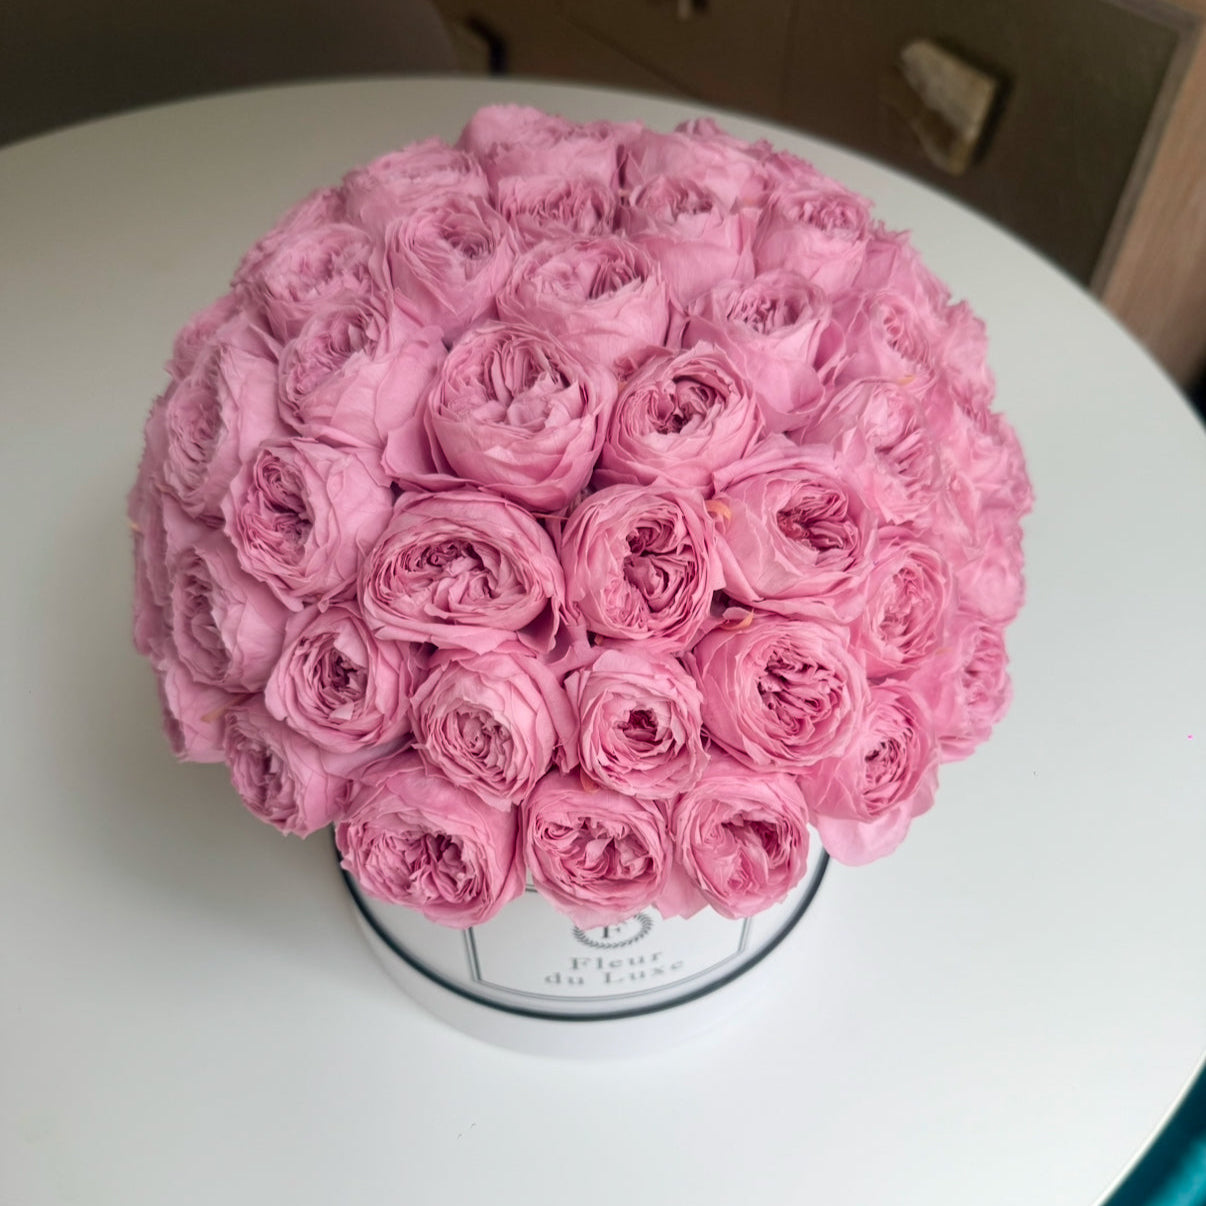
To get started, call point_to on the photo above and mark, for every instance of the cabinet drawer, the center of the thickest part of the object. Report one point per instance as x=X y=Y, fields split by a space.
x=729 y=52
x=1081 y=81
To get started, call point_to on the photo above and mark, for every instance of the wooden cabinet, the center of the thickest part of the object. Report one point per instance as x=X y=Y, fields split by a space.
x=1096 y=153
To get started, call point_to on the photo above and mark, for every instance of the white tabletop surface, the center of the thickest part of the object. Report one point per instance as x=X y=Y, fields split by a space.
x=1003 y=1012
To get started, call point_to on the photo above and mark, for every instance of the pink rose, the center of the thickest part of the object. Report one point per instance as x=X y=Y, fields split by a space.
x=556 y=207
x=778 y=331
x=699 y=151
x=819 y=230
x=513 y=410
x=284 y=779
x=493 y=722
x=464 y=569
x=604 y=297
x=640 y=565
x=317 y=266
x=193 y=712
x=639 y=720
x=218 y=415
x=679 y=418
x=226 y=626
x=393 y=184
x=891 y=265
x=302 y=514
x=991 y=584
x=340 y=687
x=448 y=259
x=151 y=626
x=741 y=839
x=513 y=140
x=887 y=337
x=193 y=339
x=962 y=349
x=697 y=240
x=967 y=686
x=780 y=694
x=319 y=210
x=163 y=532
x=885 y=434
x=144 y=505
x=412 y=838
x=983 y=450
x=597 y=855
x=793 y=534
x=863 y=803
x=356 y=371
x=907 y=601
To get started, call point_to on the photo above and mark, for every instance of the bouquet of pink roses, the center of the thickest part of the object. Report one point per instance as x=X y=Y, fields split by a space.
x=581 y=503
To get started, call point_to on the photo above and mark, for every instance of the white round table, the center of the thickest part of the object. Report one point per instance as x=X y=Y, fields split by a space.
x=1004 y=1011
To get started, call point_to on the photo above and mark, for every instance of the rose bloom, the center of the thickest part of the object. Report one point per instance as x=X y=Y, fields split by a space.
x=982 y=453
x=640 y=565
x=284 y=779
x=907 y=602
x=597 y=855
x=198 y=333
x=395 y=183
x=448 y=259
x=679 y=418
x=226 y=626
x=516 y=140
x=145 y=505
x=962 y=350
x=322 y=208
x=863 y=803
x=218 y=415
x=793 y=534
x=966 y=685
x=357 y=370
x=887 y=337
x=731 y=169
x=778 y=330
x=340 y=687
x=697 y=240
x=991 y=584
x=639 y=720
x=604 y=297
x=514 y=410
x=151 y=624
x=192 y=712
x=493 y=722
x=819 y=230
x=741 y=839
x=302 y=514
x=780 y=694
x=316 y=265
x=556 y=207
x=891 y=265
x=887 y=437
x=465 y=569
x=412 y=838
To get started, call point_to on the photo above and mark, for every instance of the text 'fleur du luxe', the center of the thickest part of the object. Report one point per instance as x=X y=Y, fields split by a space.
x=599 y=969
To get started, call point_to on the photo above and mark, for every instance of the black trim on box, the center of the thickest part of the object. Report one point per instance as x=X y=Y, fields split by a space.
x=600 y=1016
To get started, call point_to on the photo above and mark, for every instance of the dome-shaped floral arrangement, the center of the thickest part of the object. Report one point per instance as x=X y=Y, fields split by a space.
x=583 y=503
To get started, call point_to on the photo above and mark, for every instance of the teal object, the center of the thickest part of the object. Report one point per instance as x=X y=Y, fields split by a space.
x=1173 y=1171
